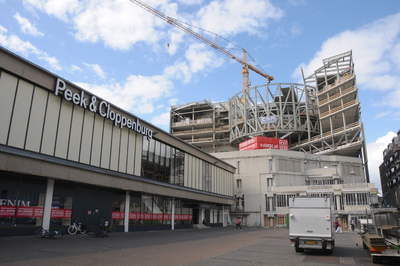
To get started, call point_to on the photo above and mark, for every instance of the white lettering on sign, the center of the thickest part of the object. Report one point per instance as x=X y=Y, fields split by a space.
x=103 y=107
x=7 y=202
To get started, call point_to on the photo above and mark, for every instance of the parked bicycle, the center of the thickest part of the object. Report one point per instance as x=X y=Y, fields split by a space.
x=41 y=233
x=101 y=230
x=76 y=227
x=108 y=227
x=111 y=228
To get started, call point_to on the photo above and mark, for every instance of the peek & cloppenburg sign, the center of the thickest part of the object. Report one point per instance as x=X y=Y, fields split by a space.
x=102 y=107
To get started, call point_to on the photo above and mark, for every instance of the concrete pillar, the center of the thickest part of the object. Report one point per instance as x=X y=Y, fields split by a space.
x=126 y=217
x=223 y=216
x=173 y=215
x=338 y=207
x=47 y=204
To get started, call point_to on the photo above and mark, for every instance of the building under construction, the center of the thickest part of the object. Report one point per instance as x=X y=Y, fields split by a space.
x=320 y=116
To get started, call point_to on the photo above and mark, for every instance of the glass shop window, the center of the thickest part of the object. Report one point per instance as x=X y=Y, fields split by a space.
x=134 y=209
x=21 y=208
x=61 y=209
x=146 y=209
x=167 y=210
x=158 y=208
x=117 y=212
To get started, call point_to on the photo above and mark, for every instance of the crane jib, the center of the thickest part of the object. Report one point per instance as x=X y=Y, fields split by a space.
x=182 y=27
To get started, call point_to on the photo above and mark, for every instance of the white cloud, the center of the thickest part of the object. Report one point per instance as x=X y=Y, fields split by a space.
x=26 y=26
x=161 y=120
x=190 y=2
x=376 y=53
x=76 y=68
x=296 y=30
x=137 y=94
x=230 y=17
x=171 y=102
x=3 y=30
x=383 y=114
x=14 y=43
x=59 y=9
x=375 y=157
x=201 y=57
x=119 y=24
x=96 y=69
x=297 y=2
x=179 y=70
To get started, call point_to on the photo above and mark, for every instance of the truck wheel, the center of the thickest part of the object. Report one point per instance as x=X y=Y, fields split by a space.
x=376 y=260
x=299 y=249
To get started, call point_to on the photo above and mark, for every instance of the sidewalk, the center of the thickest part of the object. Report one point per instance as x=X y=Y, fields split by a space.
x=215 y=246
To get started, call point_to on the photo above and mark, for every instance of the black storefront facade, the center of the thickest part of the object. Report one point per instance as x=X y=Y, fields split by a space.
x=66 y=153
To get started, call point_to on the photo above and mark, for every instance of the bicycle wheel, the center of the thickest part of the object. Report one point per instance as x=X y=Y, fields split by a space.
x=72 y=230
x=82 y=232
x=39 y=233
x=112 y=229
x=92 y=230
x=57 y=234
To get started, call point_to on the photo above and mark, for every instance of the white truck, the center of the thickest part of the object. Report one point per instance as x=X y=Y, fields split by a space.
x=311 y=224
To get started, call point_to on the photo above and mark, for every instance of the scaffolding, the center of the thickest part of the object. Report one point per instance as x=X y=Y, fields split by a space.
x=321 y=116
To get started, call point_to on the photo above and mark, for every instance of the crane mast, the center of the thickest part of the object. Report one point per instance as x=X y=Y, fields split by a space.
x=171 y=21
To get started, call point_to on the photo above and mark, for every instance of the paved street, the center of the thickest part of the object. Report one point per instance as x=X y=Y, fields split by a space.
x=193 y=247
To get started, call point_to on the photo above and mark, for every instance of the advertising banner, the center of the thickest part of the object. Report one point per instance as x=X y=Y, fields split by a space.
x=268 y=120
x=155 y=216
x=33 y=212
x=259 y=142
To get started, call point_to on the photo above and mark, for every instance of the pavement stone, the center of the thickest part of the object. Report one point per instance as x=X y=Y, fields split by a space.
x=192 y=247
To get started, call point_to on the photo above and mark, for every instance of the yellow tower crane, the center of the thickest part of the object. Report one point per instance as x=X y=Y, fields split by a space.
x=181 y=26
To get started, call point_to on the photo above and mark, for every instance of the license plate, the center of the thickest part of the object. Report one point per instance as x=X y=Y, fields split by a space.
x=311 y=242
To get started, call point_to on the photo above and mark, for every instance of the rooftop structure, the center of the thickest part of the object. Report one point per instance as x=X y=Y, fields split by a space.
x=319 y=117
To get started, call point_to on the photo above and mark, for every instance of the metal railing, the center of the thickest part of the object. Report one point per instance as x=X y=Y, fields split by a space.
x=335 y=96
x=346 y=77
x=341 y=107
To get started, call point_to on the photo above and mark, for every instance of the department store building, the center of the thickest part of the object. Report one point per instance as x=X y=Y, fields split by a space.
x=66 y=153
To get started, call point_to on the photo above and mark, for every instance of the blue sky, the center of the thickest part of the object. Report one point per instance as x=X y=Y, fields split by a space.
x=142 y=64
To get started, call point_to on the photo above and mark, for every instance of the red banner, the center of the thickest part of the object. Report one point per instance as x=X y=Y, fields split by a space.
x=117 y=215
x=34 y=212
x=259 y=142
x=7 y=211
x=156 y=216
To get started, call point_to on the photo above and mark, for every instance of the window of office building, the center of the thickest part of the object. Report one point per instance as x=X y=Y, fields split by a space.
x=161 y=162
x=362 y=199
x=350 y=198
x=268 y=201
x=239 y=183
x=207 y=173
x=283 y=200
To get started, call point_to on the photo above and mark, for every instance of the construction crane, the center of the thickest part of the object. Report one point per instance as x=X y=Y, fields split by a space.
x=181 y=26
